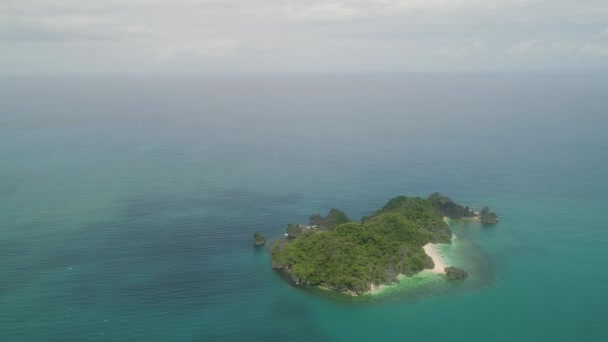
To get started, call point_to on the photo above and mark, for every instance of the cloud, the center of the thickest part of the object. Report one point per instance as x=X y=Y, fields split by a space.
x=539 y=48
x=328 y=12
x=595 y=50
x=478 y=45
x=212 y=48
x=25 y=29
x=136 y=29
x=530 y=47
x=298 y=35
x=476 y=48
x=64 y=7
x=66 y=28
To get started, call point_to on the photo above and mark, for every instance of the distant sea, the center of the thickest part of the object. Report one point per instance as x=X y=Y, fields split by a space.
x=128 y=205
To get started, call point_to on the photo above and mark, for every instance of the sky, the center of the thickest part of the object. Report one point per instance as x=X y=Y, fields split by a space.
x=55 y=37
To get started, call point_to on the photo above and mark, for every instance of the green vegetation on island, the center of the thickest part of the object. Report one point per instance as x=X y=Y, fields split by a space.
x=486 y=216
x=258 y=239
x=448 y=208
x=452 y=210
x=318 y=222
x=334 y=218
x=353 y=257
x=455 y=273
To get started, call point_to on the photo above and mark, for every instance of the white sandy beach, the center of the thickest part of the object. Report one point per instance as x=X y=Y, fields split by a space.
x=431 y=250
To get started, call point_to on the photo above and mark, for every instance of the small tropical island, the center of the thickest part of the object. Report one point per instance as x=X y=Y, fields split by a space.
x=258 y=239
x=399 y=239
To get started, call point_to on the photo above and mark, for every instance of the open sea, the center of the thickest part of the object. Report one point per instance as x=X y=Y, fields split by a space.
x=128 y=205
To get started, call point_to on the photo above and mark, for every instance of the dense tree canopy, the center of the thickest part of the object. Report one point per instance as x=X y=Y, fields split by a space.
x=294 y=230
x=334 y=218
x=487 y=216
x=353 y=256
x=448 y=208
x=258 y=239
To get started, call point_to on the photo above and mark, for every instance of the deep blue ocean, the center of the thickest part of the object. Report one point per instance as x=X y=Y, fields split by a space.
x=127 y=205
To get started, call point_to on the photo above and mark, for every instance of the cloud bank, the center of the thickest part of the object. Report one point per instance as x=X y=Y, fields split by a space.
x=272 y=36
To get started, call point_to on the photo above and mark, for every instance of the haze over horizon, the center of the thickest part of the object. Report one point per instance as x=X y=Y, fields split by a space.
x=56 y=37
x=144 y=145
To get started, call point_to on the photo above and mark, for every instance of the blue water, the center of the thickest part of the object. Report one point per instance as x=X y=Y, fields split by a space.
x=128 y=205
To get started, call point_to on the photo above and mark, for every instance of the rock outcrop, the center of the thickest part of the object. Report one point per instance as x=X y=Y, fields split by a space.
x=455 y=273
x=258 y=239
x=448 y=207
x=487 y=217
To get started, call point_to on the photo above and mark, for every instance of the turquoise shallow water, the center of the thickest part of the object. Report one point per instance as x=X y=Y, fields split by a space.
x=128 y=205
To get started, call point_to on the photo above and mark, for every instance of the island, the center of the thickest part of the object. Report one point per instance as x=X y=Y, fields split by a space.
x=258 y=239
x=486 y=216
x=455 y=273
x=355 y=257
x=455 y=211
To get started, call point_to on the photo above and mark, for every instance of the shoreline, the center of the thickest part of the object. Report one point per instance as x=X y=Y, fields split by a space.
x=432 y=251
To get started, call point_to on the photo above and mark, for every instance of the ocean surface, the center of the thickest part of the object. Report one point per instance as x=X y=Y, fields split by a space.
x=128 y=205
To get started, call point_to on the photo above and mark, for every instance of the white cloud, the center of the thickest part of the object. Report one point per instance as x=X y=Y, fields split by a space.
x=298 y=35
x=137 y=29
x=540 y=48
x=478 y=45
x=530 y=47
x=476 y=48
x=65 y=28
x=212 y=48
x=328 y=12
x=596 y=50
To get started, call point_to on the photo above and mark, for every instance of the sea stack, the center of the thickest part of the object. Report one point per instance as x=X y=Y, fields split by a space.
x=487 y=217
x=455 y=273
x=258 y=239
